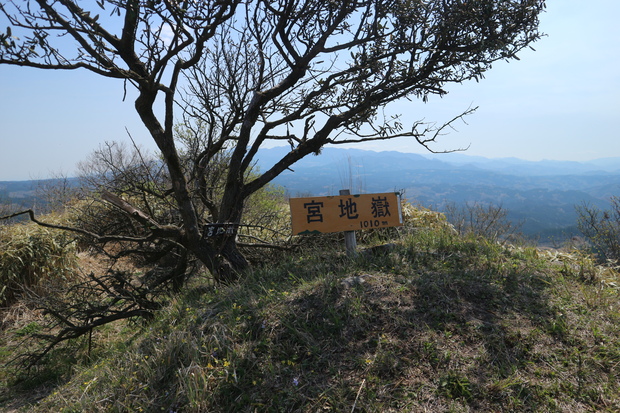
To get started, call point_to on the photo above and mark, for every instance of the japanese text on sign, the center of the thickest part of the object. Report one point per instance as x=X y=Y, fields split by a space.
x=345 y=213
x=217 y=230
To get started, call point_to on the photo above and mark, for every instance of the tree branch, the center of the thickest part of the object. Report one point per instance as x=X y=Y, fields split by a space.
x=99 y=238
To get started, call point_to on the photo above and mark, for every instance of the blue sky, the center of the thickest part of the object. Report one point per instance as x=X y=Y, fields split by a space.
x=561 y=102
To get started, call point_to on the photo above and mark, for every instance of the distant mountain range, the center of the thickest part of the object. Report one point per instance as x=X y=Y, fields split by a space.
x=20 y=195
x=542 y=195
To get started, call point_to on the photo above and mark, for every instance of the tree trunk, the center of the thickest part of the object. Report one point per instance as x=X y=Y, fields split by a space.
x=231 y=253
x=232 y=261
x=218 y=253
x=221 y=257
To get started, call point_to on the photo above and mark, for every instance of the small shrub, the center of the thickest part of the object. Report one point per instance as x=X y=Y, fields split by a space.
x=415 y=218
x=486 y=221
x=601 y=229
x=29 y=254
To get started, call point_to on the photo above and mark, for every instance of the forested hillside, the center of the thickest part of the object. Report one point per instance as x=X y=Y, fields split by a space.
x=540 y=195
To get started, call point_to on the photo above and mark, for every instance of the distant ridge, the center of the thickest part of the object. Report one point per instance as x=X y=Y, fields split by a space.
x=512 y=166
x=542 y=194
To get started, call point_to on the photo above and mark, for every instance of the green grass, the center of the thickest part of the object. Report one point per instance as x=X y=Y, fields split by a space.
x=30 y=253
x=440 y=323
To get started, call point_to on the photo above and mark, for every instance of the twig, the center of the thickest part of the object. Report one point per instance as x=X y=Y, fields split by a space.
x=100 y=238
x=358 y=395
x=272 y=246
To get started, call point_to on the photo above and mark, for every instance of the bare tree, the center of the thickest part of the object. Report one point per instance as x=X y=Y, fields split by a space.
x=602 y=229
x=309 y=73
x=489 y=221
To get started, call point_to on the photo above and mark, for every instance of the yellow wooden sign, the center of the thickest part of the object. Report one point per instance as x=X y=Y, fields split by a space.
x=324 y=214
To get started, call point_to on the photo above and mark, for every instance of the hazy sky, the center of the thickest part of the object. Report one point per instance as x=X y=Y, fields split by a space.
x=561 y=102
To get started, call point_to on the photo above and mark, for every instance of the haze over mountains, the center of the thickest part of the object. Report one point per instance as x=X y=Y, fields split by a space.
x=542 y=195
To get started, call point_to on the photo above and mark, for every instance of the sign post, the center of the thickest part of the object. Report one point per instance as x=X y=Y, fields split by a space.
x=350 y=242
x=319 y=215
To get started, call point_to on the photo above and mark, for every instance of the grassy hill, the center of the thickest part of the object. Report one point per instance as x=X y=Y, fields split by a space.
x=437 y=323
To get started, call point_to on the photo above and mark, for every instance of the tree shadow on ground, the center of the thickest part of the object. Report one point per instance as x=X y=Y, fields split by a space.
x=443 y=335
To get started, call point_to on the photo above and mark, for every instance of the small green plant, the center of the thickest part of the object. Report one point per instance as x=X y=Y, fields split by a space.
x=28 y=329
x=454 y=386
